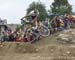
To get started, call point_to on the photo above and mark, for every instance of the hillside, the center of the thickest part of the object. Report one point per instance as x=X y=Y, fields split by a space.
x=59 y=46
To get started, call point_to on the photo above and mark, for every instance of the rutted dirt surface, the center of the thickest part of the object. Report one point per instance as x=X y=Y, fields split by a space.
x=47 y=49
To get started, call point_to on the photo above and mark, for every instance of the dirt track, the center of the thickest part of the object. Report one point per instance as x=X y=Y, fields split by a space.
x=47 y=49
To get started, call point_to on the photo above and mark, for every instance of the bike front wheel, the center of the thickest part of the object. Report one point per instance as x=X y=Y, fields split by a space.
x=44 y=31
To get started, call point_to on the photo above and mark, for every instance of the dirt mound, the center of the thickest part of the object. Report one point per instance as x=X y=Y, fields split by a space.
x=67 y=36
x=13 y=47
x=25 y=48
x=45 y=49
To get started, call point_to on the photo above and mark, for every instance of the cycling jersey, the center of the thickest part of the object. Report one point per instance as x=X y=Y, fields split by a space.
x=34 y=14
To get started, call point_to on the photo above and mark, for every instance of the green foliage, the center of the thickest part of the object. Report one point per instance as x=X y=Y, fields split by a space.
x=61 y=7
x=19 y=27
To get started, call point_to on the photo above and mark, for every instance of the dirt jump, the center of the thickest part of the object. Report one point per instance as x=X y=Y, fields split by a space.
x=59 y=46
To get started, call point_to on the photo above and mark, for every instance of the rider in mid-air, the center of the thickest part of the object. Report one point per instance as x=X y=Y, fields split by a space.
x=34 y=25
x=34 y=16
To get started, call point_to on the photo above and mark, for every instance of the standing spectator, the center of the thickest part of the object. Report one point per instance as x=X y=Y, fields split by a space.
x=71 y=18
x=67 y=22
x=10 y=35
x=54 y=26
x=6 y=37
x=58 y=22
x=1 y=39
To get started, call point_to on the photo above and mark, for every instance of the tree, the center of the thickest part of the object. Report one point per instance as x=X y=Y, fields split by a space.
x=19 y=26
x=61 y=7
x=40 y=7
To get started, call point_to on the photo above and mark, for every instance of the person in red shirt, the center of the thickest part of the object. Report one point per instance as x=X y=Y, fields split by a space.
x=71 y=18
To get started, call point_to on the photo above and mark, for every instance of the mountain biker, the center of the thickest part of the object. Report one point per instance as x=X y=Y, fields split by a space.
x=34 y=15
